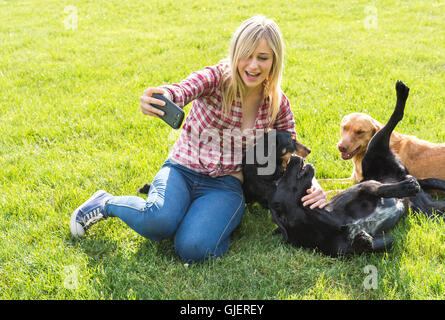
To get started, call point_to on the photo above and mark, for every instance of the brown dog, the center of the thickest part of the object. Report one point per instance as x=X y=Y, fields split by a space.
x=423 y=159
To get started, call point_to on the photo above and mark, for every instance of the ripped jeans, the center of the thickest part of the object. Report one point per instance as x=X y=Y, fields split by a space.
x=201 y=211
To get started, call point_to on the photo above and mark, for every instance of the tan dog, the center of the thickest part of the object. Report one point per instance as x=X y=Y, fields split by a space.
x=423 y=159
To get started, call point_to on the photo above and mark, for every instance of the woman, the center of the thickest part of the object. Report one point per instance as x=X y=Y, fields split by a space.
x=197 y=194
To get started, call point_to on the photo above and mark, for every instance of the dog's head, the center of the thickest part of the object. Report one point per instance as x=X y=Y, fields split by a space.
x=260 y=183
x=285 y=202
x=287 y=145
x=356 y=131
x=296 y=179
x=282 y=145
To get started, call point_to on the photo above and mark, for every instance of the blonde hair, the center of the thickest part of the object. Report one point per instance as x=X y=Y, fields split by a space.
x=244 y=42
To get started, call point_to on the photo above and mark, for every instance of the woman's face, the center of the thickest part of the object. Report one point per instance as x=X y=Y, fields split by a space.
x=256 y=68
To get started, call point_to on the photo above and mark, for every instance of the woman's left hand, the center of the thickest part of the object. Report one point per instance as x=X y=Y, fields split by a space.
x=315 y=197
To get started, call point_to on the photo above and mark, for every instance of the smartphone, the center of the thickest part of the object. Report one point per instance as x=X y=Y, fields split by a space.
x=174 y=115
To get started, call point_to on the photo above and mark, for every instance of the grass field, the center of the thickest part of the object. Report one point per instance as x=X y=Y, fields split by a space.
x=71 y=74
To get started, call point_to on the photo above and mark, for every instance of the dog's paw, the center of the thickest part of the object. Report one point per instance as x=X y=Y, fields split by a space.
x=411 y=186
x=362 y=242
x=402 y=90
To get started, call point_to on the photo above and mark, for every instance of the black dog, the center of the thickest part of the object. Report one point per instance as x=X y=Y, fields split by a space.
x=380 y=164
x=354 y=220
x=257 y=187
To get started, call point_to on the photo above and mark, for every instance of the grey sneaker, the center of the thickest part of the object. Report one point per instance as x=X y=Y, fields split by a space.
x=90 y=212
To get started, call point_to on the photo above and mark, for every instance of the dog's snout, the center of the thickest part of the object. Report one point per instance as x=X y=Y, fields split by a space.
x=341 y=147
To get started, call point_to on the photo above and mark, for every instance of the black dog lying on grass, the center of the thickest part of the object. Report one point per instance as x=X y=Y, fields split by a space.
x=257 y=187
x=354 y=220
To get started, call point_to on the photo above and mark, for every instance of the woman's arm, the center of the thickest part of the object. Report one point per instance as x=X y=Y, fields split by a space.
x=197 y=84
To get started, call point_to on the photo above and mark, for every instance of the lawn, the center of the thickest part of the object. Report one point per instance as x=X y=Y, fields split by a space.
x=71 y=74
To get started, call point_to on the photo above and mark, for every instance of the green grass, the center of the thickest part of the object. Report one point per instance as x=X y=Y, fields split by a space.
x=70 y=124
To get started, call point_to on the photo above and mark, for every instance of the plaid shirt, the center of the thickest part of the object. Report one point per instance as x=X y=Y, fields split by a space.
x=211 y=142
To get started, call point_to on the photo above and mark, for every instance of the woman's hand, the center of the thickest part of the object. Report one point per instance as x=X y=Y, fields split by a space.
x=315 y=196
x=147 y=100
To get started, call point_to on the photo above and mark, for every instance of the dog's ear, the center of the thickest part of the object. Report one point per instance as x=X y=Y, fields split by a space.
x=376 y=126
x=278 y=219
x=299 y=148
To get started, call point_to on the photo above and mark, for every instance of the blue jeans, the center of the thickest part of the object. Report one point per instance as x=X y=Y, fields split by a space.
x=200 y=210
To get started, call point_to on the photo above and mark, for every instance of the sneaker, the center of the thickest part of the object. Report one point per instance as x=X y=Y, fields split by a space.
x=90 y=212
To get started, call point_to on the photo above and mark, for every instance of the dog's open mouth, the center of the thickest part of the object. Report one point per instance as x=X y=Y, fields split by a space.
x=306 y=169
x=347 y=156
x=300 y=163
x=294 y=154
x=286 y=159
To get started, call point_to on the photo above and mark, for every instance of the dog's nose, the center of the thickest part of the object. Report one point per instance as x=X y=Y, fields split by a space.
x=341 y=148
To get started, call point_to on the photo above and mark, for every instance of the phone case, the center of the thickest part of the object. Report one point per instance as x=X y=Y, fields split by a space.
x=174 y=115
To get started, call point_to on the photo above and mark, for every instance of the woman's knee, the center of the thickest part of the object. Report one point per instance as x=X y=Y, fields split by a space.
x=193 y=248
x=158 y=226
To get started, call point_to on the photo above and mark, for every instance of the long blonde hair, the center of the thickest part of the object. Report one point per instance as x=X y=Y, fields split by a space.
x=244 y=42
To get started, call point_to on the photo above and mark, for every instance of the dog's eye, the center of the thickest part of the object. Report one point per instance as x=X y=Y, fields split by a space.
x=358 y=132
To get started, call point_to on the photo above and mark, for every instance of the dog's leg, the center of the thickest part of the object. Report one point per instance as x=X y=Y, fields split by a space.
x=406 y=188
x=376 y=164
x=402 y=95
x=402 y=189
x=381 y=138
x=424 y=204
x=364 y=242
x=432 y=184
x=382 y=243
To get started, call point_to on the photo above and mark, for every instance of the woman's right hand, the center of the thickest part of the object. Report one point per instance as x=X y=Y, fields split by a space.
x=147 y=99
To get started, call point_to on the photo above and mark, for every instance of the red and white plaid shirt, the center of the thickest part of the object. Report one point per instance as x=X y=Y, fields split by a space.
x=211 y=142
